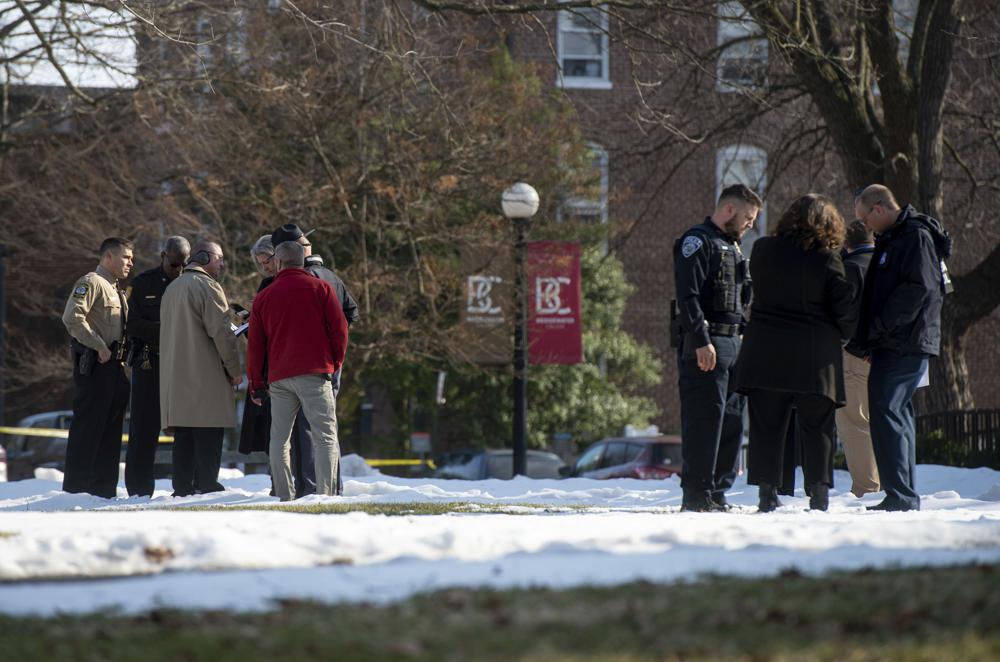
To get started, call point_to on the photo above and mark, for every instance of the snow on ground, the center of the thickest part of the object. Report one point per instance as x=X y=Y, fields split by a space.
x=76 y=553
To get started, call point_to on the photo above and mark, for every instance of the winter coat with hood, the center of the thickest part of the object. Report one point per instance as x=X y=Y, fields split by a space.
x=904 y=288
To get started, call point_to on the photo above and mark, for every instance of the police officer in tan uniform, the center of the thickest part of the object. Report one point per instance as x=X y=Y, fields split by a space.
x=95 y=318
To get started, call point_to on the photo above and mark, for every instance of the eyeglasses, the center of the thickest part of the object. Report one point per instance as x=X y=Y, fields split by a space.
x=864 y=217
x=264 y=259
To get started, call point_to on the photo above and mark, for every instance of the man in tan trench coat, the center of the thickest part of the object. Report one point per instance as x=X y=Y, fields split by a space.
x=199 y=366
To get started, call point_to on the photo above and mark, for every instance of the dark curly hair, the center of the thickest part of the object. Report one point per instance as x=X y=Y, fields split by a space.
x=813 y=222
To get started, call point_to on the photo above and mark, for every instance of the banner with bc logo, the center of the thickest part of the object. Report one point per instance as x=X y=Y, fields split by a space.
x=554 y=296
x=487 y=308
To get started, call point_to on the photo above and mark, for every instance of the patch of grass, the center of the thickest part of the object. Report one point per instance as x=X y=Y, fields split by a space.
x=7 y=534
x=915 y=614
x=395 y=509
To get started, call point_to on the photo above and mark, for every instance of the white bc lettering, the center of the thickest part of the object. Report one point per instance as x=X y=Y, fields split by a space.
x=479 y=299
x=547 y=300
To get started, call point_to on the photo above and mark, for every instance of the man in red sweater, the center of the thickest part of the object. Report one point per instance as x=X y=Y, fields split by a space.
x=298 y=330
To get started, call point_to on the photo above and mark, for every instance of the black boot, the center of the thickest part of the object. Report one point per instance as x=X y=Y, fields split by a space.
x=701 y=503
x=819 y=496
x=768 y=498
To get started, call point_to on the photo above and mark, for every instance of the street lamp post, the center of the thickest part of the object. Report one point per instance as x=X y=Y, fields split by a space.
x=520 y=202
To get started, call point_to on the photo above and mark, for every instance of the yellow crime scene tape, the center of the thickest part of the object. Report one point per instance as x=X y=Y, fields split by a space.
x=165 y=439
x=62 y=434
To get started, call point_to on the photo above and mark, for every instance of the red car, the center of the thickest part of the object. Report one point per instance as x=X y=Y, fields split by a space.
x=631 y=457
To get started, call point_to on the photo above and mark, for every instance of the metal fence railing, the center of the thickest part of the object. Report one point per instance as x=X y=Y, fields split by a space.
x=962 y=438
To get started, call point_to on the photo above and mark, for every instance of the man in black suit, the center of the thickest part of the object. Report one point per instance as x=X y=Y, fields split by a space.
x=899 y=330
x=712 y=282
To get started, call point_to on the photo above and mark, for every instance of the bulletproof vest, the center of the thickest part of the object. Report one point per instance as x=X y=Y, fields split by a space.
x=729 y=274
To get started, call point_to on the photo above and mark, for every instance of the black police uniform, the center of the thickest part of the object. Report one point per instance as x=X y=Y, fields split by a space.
x=143 y=328
x=713 y=290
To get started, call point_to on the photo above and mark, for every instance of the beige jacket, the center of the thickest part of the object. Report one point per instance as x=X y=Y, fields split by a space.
x=95 y=311
x=198 y=352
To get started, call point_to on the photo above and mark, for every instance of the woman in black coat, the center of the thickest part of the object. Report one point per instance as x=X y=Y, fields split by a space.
x=791 y=355
x=255 y=431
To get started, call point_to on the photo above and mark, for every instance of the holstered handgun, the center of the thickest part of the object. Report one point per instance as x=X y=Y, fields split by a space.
x=676 y=330
x=83 y=356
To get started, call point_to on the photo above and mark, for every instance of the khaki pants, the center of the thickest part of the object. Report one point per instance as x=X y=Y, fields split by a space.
x=314 y=395
x=852 y=427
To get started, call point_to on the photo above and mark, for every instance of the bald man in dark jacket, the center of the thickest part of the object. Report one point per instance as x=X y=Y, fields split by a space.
x=900 y=329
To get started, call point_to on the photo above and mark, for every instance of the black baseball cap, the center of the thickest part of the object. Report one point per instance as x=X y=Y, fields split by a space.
x=288 y=232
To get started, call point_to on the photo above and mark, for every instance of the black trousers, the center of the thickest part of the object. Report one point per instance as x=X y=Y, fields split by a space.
x=197 y=456
x=143 y=429
x=95 y=435
x=792 y=458
x=711 y=421
x=770 y=416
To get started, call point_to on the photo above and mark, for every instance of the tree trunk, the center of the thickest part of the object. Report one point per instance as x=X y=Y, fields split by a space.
x=950 y=388
x=976 y=296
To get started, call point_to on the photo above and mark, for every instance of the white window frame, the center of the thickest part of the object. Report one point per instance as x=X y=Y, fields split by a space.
x=563 y=24
x=735 y=24
x=580 y=206
x=731 y=164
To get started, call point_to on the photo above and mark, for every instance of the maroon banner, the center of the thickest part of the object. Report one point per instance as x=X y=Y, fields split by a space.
x=552 y=271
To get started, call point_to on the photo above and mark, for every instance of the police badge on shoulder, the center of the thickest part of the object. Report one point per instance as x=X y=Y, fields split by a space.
x=691 y=246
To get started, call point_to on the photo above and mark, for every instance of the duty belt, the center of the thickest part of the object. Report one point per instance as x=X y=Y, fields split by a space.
x=719 y=329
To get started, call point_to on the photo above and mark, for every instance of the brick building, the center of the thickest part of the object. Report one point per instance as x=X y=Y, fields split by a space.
x=650 y=199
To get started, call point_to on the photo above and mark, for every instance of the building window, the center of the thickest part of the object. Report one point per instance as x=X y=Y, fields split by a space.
x=589 y=202
x=582 y=45
x=744 y=164
x=742 y=53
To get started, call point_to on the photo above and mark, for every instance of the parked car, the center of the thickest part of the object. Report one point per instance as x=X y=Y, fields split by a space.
x=631 y=457
x=499 y=463
x=26 y=453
